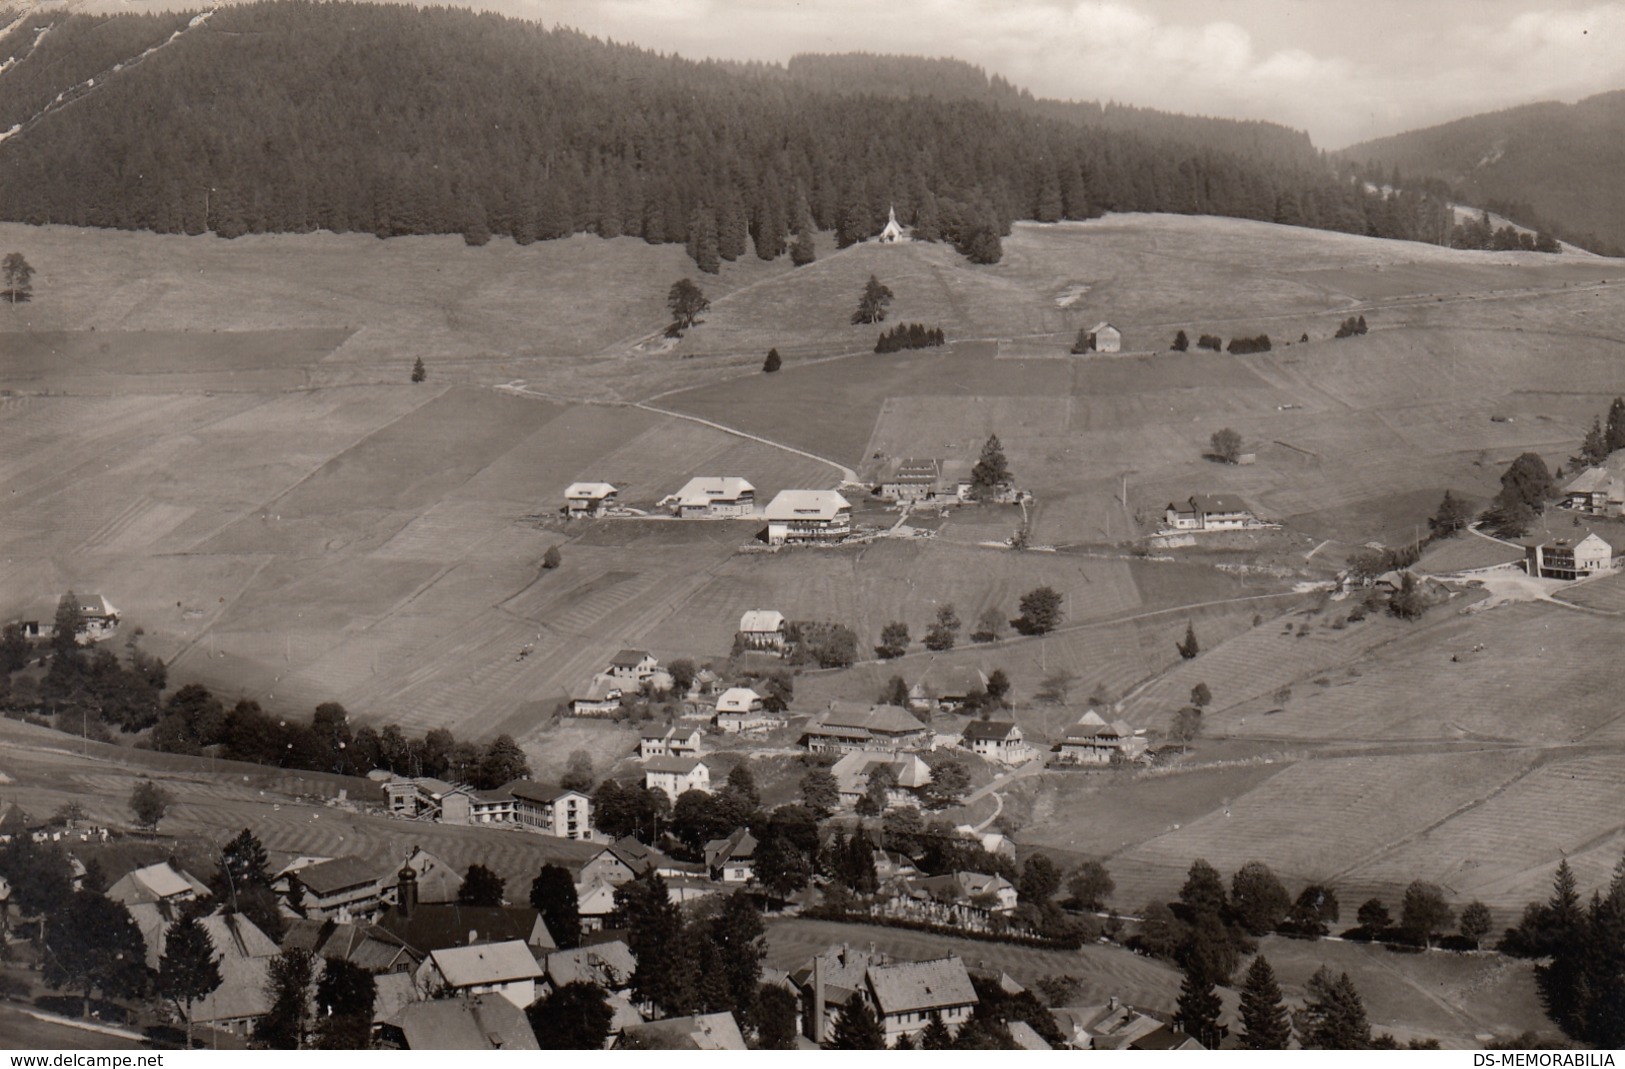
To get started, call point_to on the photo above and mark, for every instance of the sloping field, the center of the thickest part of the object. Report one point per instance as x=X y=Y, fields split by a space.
x=1328 y=819
x=1466 y=552
x=167 y=361
x=1519 y=833
x=1606 y=594
x=1543 y=674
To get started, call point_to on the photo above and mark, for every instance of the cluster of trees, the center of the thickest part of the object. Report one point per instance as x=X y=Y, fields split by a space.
x=982 y=701
x=1040 y=613
x=1480 y=233
x=909 y=336
x=1225 y=445
x=87 y=688
x=194 y=721
x=825 y=644
x=1603 y=438
x=1452 y=516
x=742 y=160
x=1350 y=327
x=1210 y=341
x=872 y=304
x=1584 y=950
x=1245 y=346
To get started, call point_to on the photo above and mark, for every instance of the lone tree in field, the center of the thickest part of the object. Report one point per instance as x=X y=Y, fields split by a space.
x=991 y=470
x=187 y=971
x=1181 y=342
x=872 y=304
x=1226 y=445
x=988 y=626
x=893 y=640
x=1186 y=726
x=1476 y=922
x=1453 y=516
x=1090 y=885
x=149 y=802
x=942 y=634
x=686 y=303
x=1188 y=649
x=772 y=363
x=1040 y=611
x=551 y=559
x=419 y=372
x=19 y=277
x=1201 y=696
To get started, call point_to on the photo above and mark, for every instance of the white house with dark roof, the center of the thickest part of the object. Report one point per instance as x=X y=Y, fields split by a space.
x=670 y=741
x=914 y=479
x=909 y=774
x=1209 y=512
x=675 y=775
x=728 y=497
x=635 y=666
x=601 y=698
x=732 y=859
x=1105 y=338
x=908 y=995
x=1566 y=558
x=762 y=629
x=588 y=499
x=508 y=969
x=997 y=740
x=808 y=516
x=1092 y=741
x=342 y=887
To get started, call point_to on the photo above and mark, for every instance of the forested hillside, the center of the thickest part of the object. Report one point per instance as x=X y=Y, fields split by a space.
x=293 y=116
x=1549 y=165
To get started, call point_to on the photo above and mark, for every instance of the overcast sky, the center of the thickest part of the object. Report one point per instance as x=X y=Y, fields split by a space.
x=1345 y=70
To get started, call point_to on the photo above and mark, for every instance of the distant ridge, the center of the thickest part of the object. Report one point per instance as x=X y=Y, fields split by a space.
x=1561 y=165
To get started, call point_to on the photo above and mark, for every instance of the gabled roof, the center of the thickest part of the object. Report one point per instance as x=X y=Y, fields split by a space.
x=761 y=620
x=589 y=490
x=681 y=766
x=243 y=992
x=94 y=605
x=1217 y=503
x=918 y=986
x=631 y=658
x=737 y=699
x=437 y=927
x=954 y=680
x=486 y=963
x=740 y=845
x=915 y=471
x=341 y=873
x=892 y=719
x=806 y=504
x=1102 y=325
x=991 y=730
x=601 y=689
x=155 y=883
x=1027 y=1039
x=708 y=1031
x=844 y=968
x=703 y=489
x=485 y=1022
x=609 y=965
x=367 y=945
x=233 y=935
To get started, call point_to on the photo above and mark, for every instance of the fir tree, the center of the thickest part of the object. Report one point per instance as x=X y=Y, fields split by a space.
x=805 y=249
x=1334 y=1018
x=187 y=971
x=991 y=471
x=419 y=372
x=1264 y=1021
x=1181 y=342
x=872 y=302
x=772 y=363
x=1189 y=648
x=1199 y=1008
x=856 y=1027
x=1615 y=433
x=553 y=895
x=935 y=1035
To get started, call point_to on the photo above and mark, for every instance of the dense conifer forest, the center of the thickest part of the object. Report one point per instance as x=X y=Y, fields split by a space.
x=291 y=116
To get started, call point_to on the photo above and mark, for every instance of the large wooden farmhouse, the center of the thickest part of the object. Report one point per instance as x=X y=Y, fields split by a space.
x=1210 y=512
x=588 y=499
x=713 y=496
x=851 y=726
x=808 y=516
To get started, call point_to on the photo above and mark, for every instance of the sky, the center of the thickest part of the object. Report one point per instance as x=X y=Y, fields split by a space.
x=1345 y=71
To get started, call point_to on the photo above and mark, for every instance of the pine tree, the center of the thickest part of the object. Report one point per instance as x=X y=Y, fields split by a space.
x=702 y=241
x=1189 y=648
x=872 y=302
x=991 y=471
x=935 y=1035
x=1181 y=343
x=1199 y=1008
x=553 y=895
x=805 y=249
x=1615 y=434
x=856 y=1027
x=772 y=363
x=187 y=971
x=1264 y=1021
x=289 y=980
x=1594 y=450
x=1335 y=1016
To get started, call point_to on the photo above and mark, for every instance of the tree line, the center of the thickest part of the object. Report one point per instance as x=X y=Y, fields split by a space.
x=546 y=133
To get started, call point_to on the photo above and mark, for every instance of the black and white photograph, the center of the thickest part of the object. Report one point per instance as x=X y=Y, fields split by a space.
x=706 y=525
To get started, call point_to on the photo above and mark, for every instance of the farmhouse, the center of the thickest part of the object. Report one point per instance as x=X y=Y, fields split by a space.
x=906 y=996
x=606 y=965
x=1561 y=558
x=762 y=629
x=997 y=740
x=626 y=859
x=850 y=726
x=946 y=687
x=595 y=902
x=674 y=775
x=588 y=499
x=508 y=969
x=808 y=516
x=426 y=928
x=233 y=934
x=436 y=881
x=1105 y=338
x=702 y=1031
x=740 y=710
x=913 y=479
x=342 y=888
x=162 y=883
x=713 y=496
x=367 y=945
x=1092 y=741
x=1209 y=512
x=732 y=859
x=1599 y=490
x=669 y=742
x=557 y=811
x=908 y=773
x=97 y=617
